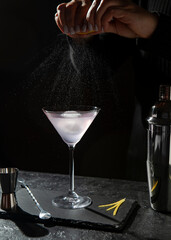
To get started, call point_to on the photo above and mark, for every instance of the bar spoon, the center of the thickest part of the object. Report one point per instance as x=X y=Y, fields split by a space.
x=43 y=214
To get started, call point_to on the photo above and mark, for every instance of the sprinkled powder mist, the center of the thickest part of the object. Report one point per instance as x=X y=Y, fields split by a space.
x=73 y=74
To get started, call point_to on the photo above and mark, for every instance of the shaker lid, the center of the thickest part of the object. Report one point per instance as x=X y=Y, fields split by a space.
x=165 y=93
x=160 y=113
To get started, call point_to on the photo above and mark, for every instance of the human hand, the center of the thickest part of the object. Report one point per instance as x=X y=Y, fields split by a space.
x=71 y=19
x=122 y=17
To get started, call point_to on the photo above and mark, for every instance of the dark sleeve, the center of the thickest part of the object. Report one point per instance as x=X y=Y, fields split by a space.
x=160 y=41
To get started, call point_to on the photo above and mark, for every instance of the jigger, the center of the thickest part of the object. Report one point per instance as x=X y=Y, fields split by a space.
x=8 y=202
x=8 y=180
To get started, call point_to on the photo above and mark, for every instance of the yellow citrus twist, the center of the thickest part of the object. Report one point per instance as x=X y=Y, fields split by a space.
x=114 y=206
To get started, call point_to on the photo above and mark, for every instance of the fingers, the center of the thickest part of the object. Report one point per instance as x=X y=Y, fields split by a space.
x=80 y=20
x=71 y=17
x=99 y=8
x=110 y=20
x=60 y=18
x=111 y=14
x=70 y=13
x=59 y=24
x=65 y=17
x=91 y=14
x=117 y=20
x=104 y=6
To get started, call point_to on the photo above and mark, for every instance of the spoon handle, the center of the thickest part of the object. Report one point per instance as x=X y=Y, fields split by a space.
x=32 y=196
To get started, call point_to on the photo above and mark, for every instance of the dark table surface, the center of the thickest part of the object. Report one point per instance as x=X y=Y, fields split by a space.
x=146 y=224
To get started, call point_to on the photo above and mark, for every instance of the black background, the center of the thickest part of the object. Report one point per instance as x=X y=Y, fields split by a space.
x=29 y=142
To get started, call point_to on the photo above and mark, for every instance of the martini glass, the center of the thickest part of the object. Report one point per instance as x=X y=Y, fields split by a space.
x=71 y=124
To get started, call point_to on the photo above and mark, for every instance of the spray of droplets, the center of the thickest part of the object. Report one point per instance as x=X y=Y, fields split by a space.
x=77 y=73
x=73 y=73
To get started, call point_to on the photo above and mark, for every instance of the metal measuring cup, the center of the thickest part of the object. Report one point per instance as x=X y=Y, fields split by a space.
x=8 y=181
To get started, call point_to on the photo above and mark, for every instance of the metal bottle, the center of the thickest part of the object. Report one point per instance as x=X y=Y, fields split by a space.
x=159 y=151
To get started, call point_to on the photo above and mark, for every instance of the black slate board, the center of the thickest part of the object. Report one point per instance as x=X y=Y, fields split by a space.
x=91 y=217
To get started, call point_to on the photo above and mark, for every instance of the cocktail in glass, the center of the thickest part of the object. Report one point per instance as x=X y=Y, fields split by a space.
x=71 y=124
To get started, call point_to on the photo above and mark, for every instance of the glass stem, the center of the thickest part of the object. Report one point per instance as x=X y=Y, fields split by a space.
x=71 y=168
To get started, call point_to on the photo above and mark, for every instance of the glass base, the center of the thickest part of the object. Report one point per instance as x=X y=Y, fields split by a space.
x=71 y=201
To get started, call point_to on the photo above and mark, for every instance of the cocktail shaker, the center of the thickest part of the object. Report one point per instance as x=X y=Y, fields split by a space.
x=159 y=151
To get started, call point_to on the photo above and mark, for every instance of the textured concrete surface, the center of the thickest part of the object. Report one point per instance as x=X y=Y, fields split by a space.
x=146 y=225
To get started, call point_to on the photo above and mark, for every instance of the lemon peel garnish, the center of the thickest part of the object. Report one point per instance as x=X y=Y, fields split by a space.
x=85 y=33
x=154 y=186
x=116 y=209
x=114 y=206
x=111 y=207
x=107 y=205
